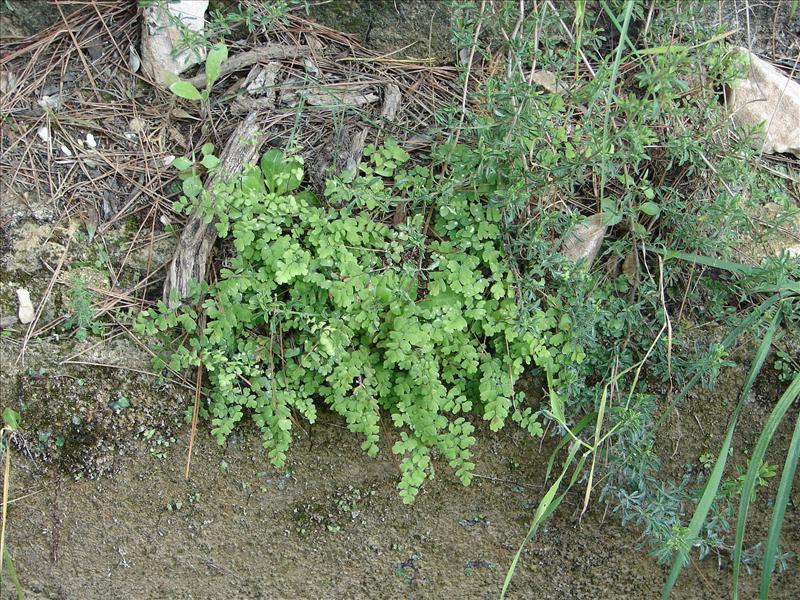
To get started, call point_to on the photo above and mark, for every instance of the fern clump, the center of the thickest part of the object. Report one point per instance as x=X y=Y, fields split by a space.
x=325 y=302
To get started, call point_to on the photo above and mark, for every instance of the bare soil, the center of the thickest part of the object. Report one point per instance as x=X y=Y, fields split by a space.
x=332 y=525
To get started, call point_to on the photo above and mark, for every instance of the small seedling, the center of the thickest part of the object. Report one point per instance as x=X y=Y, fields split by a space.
x=707 y=460
x=11 y=419
x=184 y=89
x=120 y=403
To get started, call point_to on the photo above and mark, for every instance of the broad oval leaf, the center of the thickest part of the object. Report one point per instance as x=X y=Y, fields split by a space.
x=184 y=89
x=192 y=186
x=209 y=161
x=181 y=163
x=650 y=208
x=271 y=167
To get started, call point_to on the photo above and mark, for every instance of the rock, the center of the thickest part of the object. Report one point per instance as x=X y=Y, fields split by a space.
x=8 y=82
x=548 y=81
x=420 y=28
x=26 y=312
x=161 y=37
x=137 y=125
x=8 y=322
x=25 y=18
x=768 y=96
x=584 y=240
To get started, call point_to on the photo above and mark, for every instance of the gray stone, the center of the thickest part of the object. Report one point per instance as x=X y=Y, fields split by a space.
x=24 y=18
x=767 y=96
x=421 y=27
x=161 y=37
x=584 y=240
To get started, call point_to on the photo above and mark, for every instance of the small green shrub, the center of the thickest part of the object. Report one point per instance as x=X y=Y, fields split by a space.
x=81 y=317
x=323 y=302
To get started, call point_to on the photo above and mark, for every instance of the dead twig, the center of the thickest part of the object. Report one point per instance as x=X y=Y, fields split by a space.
x=260 y=54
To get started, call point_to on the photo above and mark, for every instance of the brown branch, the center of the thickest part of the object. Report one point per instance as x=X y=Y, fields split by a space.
x=245 y=59
x=197 y=239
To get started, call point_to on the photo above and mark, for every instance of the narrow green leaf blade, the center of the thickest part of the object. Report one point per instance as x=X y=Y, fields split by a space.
x=789 y=396
x=781 y=500
x=714 y=479
x=541 y=513
x=708 y=261
x=729 y=340
x=216 y=56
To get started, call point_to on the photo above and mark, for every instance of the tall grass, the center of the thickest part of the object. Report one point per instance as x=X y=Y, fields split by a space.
x=714 y=480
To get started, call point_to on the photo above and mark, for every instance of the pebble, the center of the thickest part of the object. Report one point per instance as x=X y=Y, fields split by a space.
x=136 y=125
x=26 y=312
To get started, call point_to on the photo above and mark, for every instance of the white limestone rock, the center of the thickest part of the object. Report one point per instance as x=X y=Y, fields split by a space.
x=584 y=240
x=160 y=36
x=770 y=97
x=25 y=312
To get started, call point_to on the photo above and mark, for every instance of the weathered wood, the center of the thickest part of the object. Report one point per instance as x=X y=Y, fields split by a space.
x=190 y=261
x=391 y=103
x=245 y=59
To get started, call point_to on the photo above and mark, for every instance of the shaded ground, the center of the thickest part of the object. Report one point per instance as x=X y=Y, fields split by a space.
x=332 y=525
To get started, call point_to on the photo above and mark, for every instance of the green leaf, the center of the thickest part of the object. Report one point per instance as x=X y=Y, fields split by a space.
x=779 y=510
x=120 y=403
x=556 y=402
x=788 y=398
x=547 y=505
x=729 y=340
x=192 y=186
x=11 y=418
x=272 y=166
x=650 y=208
x=714 y=479
x=209 y=161
x=708 y=261
x=184 y=89
x=216 y=56
x=252 y=180
x=181 y=163
x=207 y=149
x=611 y=212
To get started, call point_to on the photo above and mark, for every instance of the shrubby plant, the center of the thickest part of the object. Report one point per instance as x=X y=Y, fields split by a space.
x=322 y=301
x=425 y=291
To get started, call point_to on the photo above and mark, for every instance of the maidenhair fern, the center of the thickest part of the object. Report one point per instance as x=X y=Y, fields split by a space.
x=324 y=302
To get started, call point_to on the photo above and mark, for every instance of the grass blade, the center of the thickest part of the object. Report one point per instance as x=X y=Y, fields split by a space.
x=623 y=38
x=597 y=428
x=789 y=396
x=781 y=500
x=708 y=261
x=710 y=491
x=588 y=418
x=543 y=511
x=12 y=575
